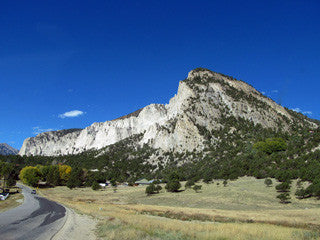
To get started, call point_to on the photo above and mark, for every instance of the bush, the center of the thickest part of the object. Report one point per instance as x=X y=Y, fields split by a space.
x=314 y=189
x=302 y=193
x=189 y=183
x=95 y=186
x=173 y=186
x=284 y=197
x=283 y=187
x=158 y=188
x=268 y=182
x=152 y=189
x=225 y=182
x=197 y=188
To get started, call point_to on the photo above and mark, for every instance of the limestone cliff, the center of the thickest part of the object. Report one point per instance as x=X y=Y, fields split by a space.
x=202 y=100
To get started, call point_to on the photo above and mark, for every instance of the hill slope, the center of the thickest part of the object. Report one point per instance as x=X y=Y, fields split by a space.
x=195 y=118
x=5 y=149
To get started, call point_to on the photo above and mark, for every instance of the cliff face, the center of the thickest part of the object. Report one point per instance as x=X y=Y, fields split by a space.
x=202 y=101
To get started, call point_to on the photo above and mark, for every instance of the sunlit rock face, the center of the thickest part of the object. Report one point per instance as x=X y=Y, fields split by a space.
x=202 y=100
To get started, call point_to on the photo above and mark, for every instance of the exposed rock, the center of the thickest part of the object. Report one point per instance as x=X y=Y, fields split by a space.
x=5 y=149
x=202 y=100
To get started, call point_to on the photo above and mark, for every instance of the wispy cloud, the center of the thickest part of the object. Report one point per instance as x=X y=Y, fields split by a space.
x=296 y=109
x=300 y=111
x=37 y=130
x=275 y=91
x=307 y=112
x=70 y=114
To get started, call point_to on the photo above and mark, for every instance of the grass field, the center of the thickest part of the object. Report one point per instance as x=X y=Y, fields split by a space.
x=12 y=201
x=245 y=209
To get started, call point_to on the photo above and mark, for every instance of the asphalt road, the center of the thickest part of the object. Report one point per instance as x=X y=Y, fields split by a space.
x=36 y=218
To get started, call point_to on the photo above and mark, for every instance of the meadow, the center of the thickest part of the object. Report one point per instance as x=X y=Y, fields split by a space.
x=244 y=209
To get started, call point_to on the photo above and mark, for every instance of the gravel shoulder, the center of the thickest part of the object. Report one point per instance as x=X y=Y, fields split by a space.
x=43 y=219
x=76 y=226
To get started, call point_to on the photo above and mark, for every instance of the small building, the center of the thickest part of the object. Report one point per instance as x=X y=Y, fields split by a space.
x=142 y=182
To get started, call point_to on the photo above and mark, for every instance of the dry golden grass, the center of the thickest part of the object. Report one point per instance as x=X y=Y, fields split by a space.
x=12 y=201
x=212 y=214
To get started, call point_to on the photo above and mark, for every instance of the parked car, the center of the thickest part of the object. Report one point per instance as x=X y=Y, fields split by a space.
x=33 y=192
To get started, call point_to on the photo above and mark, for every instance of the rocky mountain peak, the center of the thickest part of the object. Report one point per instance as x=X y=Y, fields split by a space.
x=205 y=101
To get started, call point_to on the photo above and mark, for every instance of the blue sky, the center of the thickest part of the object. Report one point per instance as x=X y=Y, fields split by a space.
x=69 y=64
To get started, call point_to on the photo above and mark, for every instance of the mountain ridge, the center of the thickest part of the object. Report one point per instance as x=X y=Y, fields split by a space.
x=6 y=149
x=202 y=101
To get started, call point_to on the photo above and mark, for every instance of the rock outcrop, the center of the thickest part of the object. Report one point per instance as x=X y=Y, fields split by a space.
x=202 y=100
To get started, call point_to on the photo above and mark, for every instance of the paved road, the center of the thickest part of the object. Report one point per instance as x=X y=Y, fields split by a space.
x=36 y=218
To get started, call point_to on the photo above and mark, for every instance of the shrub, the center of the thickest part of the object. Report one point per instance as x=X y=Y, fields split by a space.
x=225 y=182
x=152 y=189
x=158 y=188
x=95 y=186
x=284 y=197
x=197 y=188
x=173 y=186
x=302 y=193
x=189 y=183
x=268 y=182
x=283 y=187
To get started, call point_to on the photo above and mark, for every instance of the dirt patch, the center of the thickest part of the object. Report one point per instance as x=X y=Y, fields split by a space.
x=77 y=226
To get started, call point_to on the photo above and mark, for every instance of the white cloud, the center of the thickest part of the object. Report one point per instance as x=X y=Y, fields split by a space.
x=37 y=130
x=307 y=112
x=296 y=109
x=275 y=91
x=300 y=111
x=73 y=113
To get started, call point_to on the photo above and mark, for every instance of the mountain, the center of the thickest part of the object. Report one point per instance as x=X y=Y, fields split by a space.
x=207 y=107
x=5 y=149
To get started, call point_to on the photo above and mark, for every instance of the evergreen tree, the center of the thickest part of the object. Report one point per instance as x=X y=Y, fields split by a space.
x=284 y=197
x=173 y=185
x=95 y=186
x=197 y=188
x=268 y=182
x=53 y=176
x=189 y=183
x=75 y=179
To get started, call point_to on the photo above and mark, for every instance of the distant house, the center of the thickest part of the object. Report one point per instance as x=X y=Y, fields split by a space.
x=103 y=185
x=142 y=182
